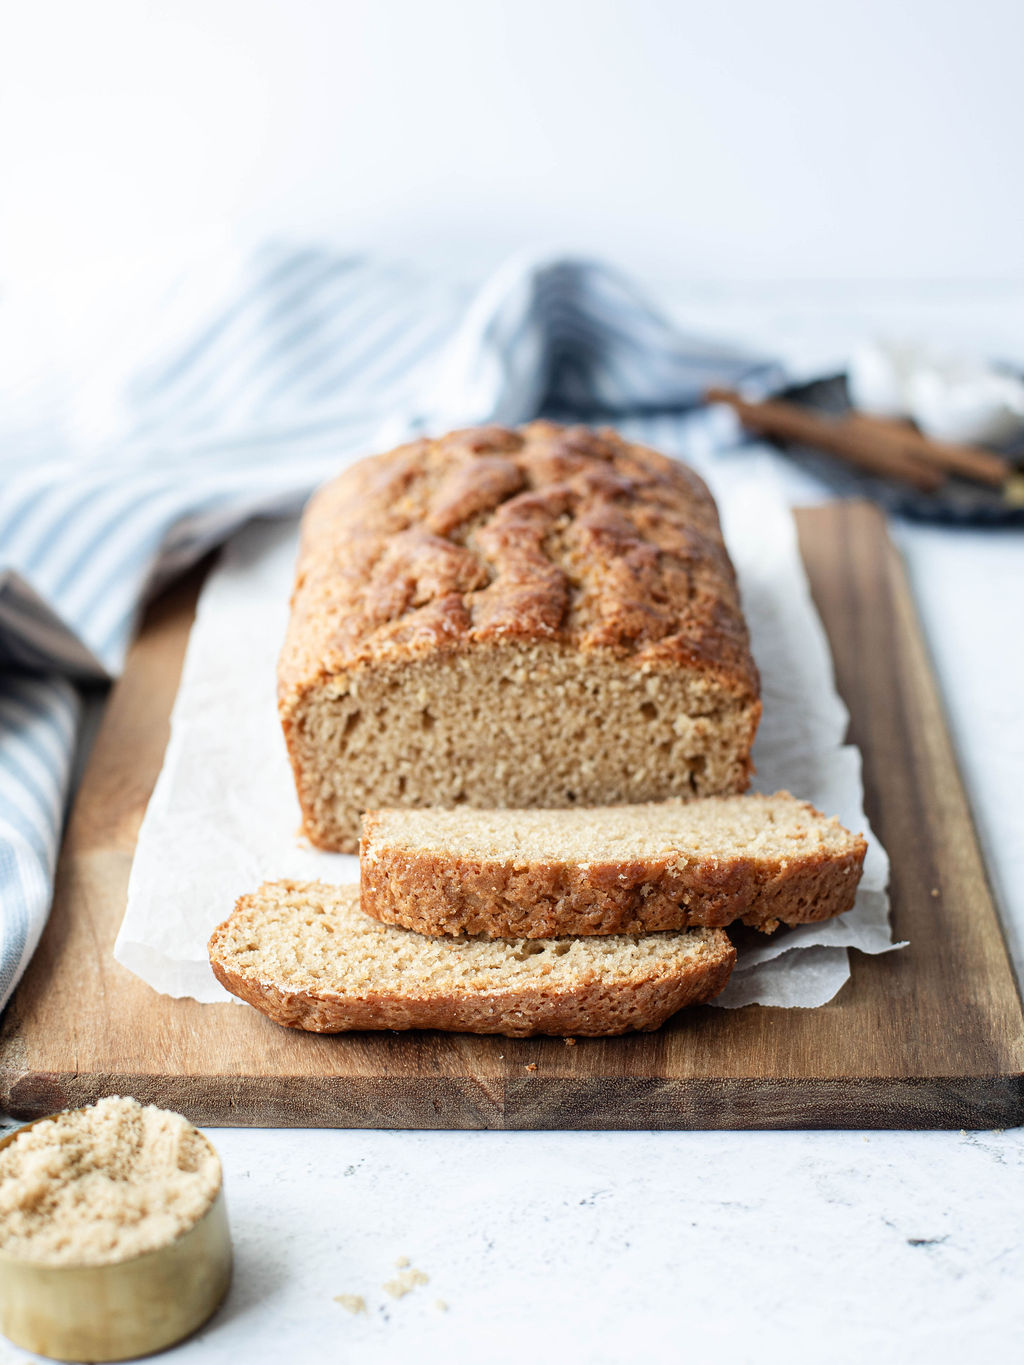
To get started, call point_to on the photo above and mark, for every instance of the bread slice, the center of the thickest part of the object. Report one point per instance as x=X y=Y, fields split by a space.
x=307 y=957
x=764 y=860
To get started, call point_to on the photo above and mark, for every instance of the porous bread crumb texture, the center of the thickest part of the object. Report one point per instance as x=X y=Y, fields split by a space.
x=543 y=617
x=508 y=725
x=306 y=956
x=763 y=860
x=100 y=1185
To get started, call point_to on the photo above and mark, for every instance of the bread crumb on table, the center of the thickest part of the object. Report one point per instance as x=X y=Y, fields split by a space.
x=440 y=1305
x=570 y=1042
x=402 y=1262
x=354 y=1303
x=405 y=1283
x=531 y=1066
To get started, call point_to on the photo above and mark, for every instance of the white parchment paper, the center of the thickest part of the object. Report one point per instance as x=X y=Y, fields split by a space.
x=224 y=815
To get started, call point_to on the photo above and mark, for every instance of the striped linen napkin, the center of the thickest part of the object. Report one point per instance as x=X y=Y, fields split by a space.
x=303 y=360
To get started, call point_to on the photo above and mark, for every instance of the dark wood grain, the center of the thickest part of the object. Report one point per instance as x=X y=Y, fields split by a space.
x=932 y=1036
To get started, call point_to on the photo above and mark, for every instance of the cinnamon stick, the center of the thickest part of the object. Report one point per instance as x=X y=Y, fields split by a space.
x=982 y=466
x=877 y=451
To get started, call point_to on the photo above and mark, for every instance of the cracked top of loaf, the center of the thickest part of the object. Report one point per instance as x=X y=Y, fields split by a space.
x=492 y=535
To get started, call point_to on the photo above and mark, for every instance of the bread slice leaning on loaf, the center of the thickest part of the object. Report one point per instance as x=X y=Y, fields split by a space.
x=498 y=618
x=306 y=956
x=764 y=860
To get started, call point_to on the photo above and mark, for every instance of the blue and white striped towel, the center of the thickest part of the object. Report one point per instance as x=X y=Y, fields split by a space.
x=309 y=359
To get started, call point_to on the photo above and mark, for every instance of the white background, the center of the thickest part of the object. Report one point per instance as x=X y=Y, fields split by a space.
x=740 y=140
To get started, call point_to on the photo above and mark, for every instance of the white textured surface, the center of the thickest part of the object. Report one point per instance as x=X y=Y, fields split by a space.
x=733 y=1247
x=608 y=1248
x=617 y=1247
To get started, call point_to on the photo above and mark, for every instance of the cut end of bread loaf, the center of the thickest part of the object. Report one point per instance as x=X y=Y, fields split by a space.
x=305 y=955
x=764 y=860
x=512 y=725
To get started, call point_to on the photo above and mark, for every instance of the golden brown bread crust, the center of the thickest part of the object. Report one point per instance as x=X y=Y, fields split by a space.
x=595 y=1010
x=594 y=1005
x=435 y=892
x=547 y=533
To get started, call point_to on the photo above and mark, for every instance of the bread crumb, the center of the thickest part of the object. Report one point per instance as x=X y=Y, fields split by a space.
x=531 y=1066
x=402 y=1262
x=405 y=1283
x=354 y=1303
x=935 y=890
x=570 y=1042
x=440 y=1305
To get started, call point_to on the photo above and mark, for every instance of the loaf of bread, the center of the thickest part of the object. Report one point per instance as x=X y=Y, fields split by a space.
x=765 y=860
x=542 y=617
x=306 y=956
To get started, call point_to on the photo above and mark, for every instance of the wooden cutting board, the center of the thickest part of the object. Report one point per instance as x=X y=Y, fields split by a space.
x=932 y=1036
